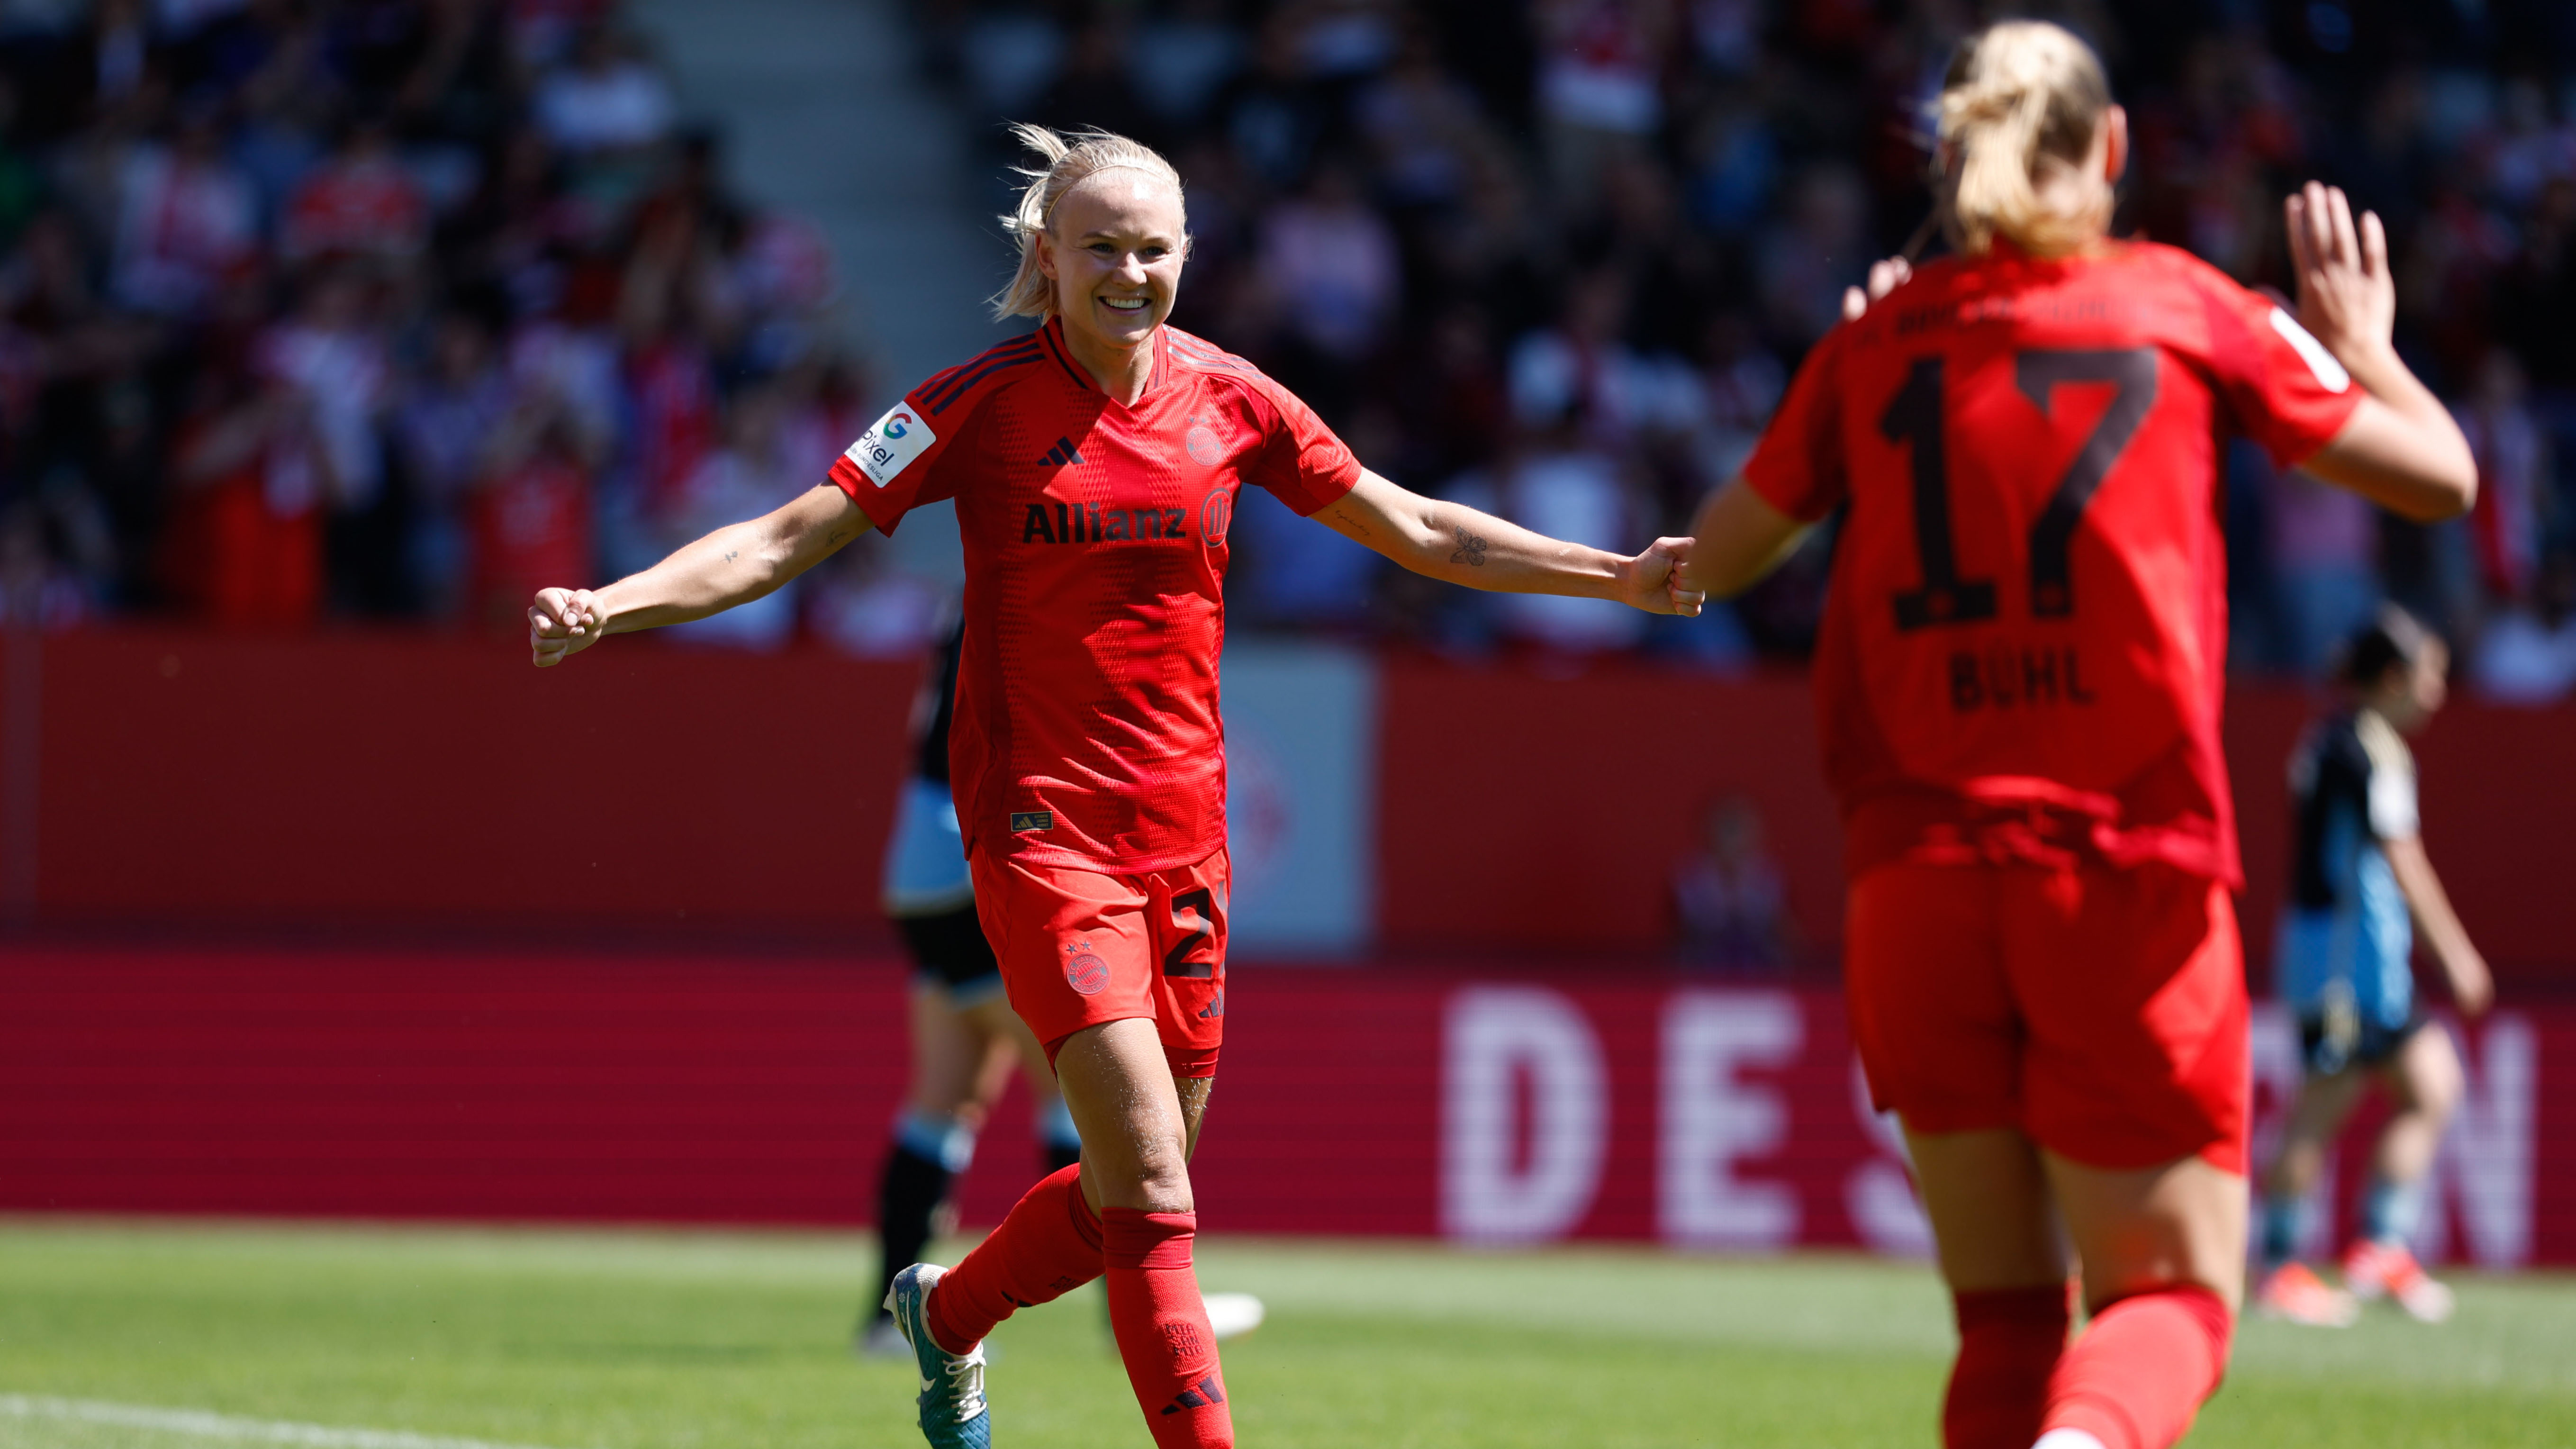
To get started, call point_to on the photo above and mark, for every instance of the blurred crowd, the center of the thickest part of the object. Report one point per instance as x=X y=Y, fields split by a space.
x=331 y=308
x=1559 y=259
x=393 y=308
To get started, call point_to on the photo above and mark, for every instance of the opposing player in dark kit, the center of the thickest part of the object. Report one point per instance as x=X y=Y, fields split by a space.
x=2019 y=685
x=1095 y=463
x=2360 y=883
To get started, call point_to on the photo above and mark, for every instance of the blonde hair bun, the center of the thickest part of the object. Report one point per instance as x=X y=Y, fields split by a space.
x=2020 y=97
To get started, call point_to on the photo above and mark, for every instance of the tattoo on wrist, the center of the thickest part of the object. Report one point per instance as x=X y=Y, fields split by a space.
x=1471 y=549
x=731 y=554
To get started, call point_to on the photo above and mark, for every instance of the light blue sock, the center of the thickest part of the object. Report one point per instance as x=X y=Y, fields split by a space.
x=2285 y=1226
x=2392 y=1211
x=943 y=1140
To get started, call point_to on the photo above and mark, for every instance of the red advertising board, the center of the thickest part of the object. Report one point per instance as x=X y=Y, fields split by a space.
x=1497 y=1107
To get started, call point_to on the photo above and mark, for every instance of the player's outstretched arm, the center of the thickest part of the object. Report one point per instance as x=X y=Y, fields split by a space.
x=733 y=565
x=1737 y=538
x=2472 y=985
x=2401 y=449
x=1458 y=544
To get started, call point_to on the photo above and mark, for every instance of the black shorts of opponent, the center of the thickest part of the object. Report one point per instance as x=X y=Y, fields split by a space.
x=949 y=951
x=2332 y=1044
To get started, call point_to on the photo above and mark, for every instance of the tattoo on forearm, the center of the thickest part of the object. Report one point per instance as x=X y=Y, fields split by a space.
x=1353 y=524
x=731 y=554
x=1471 y=549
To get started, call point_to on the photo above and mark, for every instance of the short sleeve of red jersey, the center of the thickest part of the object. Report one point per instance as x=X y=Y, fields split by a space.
x=1798 y=465
x=2282 y=387
x=1301 y=460
x=895 y=465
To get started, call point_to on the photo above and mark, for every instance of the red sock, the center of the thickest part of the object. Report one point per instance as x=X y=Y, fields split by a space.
x=2140 y=1370
x=1162 y=1329
x=1048 y=1246
x=2009 y=1342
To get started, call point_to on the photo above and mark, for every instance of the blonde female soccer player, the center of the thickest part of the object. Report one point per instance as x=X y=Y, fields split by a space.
x=1095 y=463
x=2019 y=683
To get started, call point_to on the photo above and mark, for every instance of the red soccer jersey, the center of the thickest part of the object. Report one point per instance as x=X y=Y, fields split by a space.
x=1087 y=731
x=2029 y=600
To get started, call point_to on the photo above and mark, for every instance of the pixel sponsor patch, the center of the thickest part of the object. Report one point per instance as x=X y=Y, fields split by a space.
x=890 y=445
x=2330 y=373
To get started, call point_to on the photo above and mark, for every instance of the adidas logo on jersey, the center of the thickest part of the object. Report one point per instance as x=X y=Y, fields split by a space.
x=1062 y=453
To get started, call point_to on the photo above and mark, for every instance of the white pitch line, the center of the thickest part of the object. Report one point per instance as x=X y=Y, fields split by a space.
x=206 y=1424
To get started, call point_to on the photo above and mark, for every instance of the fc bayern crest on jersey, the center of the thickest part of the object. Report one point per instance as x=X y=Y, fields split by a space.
x=1215 y=512
x=1202 y=445
x=1086 y=973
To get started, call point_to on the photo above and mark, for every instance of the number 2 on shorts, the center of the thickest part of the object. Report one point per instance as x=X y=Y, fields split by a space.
x=1202 y=931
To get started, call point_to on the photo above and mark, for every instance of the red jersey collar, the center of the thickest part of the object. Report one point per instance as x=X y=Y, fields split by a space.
x=1051 y=336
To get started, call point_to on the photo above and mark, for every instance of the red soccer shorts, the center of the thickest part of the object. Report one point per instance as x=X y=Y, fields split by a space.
x=1079 y=948
x=2100 y=1011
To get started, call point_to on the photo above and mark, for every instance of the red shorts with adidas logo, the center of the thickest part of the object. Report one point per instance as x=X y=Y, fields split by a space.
x=1079 y=948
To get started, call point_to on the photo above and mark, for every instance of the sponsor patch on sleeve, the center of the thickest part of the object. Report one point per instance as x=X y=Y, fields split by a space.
x=2330 y=373
x=889 y=446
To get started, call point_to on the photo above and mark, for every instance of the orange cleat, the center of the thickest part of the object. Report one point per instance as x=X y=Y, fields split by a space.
x=2294 y=1294
x=2388 y=1270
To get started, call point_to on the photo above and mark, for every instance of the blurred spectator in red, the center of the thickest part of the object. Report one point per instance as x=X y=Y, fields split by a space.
x=244 y=545
x=530 y=510
x=1730 y=898
x=1600 y=85
x=359 y=203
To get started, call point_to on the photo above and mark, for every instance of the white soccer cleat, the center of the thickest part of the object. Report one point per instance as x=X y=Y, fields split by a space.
x=1232 y=1315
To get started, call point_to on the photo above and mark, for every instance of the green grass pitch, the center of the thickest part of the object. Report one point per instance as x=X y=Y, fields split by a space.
x=670 y=1340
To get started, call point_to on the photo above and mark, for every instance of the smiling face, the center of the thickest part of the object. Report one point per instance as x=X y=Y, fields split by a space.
x=1114 y=255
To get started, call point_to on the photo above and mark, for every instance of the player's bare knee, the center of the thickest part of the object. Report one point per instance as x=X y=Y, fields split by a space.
x=2428 y=1078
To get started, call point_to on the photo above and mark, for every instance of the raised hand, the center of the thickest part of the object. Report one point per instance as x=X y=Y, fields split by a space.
x=1652 y=581
x=562 y=623
x=2346 y=295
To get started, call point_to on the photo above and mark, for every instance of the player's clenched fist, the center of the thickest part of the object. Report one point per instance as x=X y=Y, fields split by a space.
x=1654 y=582
x=562 y=622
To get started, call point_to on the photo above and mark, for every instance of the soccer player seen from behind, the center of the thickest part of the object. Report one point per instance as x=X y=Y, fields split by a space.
x=2019 y=685
x=965 y=1039
x=2360 y=883
x=1095 y=463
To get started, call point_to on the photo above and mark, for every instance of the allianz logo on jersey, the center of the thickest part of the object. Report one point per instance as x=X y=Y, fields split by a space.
x=1060 y=521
